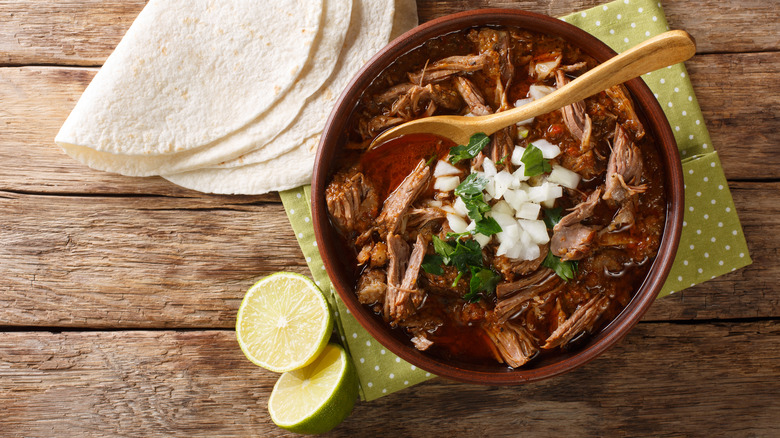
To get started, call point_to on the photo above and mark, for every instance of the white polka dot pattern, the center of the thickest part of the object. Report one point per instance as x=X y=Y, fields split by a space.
x=708 y=248
x=703 y=239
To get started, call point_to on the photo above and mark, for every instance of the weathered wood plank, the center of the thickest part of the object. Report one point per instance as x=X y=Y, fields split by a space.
x=662 y=380
x=741 y=111
x=136 y=261
x=70 y=32
x=715 y=30
x=750 y=292
x=186 y=262
x=84 y=32
x=743 y=126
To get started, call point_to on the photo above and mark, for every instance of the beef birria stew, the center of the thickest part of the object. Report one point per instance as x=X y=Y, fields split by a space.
x=517 y=244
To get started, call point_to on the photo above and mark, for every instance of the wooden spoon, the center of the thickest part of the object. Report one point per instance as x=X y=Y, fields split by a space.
x=660 y=51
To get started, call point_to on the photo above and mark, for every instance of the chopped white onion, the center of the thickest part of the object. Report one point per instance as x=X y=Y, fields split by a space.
x=504 y=220
x=548 y=149
x=503 y=180
x=545 y=191
x=482 y=239
x=514 y=251
x=519 y=103
x=488 y=167
x=517 y=156
x=528 y=210
x=563 y=176
x=503 y=246
x=531 y=252
x=510 y=233
x=539 y=91
x=490 y=188
x=460 y=207
x=433 y=203
x=444 y=168
x=446 y=183
x=525 y=238
x=519 y=176
x=536 y=229
x=515 y=198
x=456 y=223
x=449 y=209
x=544 y=69
x=502 y=207
x=472 y=226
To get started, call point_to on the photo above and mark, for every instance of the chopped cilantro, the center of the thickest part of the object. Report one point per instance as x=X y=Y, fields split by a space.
x=477 y=142
x=566 y=270
x=460 y=254
x=431 y=160
x=470 y=191
x=458 y=235
x=552 y=216
x=432 y=264
x=535 y=163
x=457 y=279
x=466 y=255
x=476 y=207
x=443 y=249
x=471 y=186
x=488 y=227
x=467 y=252
x=482 y=280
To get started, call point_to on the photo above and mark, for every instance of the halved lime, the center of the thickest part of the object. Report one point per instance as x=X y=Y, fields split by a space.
x=315 y=399
x=284 y=322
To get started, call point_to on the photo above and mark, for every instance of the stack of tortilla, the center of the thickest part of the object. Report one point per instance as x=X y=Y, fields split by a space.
x=227 y=96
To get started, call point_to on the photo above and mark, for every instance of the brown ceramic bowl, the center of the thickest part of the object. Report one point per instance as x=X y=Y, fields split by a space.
x=338 y=262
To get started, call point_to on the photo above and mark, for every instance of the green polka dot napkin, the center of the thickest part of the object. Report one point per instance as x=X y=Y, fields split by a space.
x=712 y=242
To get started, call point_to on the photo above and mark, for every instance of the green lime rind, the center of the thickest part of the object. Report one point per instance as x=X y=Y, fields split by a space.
x=315 y=346
x=336 y=407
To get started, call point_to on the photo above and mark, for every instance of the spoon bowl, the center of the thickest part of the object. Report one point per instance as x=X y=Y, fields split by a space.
x=658 y=52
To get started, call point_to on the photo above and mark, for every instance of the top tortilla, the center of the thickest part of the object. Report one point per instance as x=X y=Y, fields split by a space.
x=264 y=128
x=187 y=73
x=294 y=167
x=361 y=45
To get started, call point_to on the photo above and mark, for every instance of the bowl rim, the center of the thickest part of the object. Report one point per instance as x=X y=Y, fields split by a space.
x=647 y=105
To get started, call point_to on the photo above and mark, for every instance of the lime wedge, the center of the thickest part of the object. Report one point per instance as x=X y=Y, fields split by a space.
x=283 y=322
x=315 y=399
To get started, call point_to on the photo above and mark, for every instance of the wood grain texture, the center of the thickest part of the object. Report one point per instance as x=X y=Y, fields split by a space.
x=186 y=262
x=84 y=32
x=741 y=110
x=662 y=380
x=750 y=292
x=136 y=261
x=735 y=26
x=69 y=32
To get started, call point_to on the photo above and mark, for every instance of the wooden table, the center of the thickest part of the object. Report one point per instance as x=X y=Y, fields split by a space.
x=118 y=295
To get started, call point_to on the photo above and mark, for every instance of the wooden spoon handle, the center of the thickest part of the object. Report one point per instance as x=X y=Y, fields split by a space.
x=660 y=51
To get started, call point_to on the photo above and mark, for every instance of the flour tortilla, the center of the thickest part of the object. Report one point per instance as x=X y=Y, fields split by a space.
x=293 y=168
x=188 y=73
x=286 y=171
x=260 y=131
x=369 y=31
